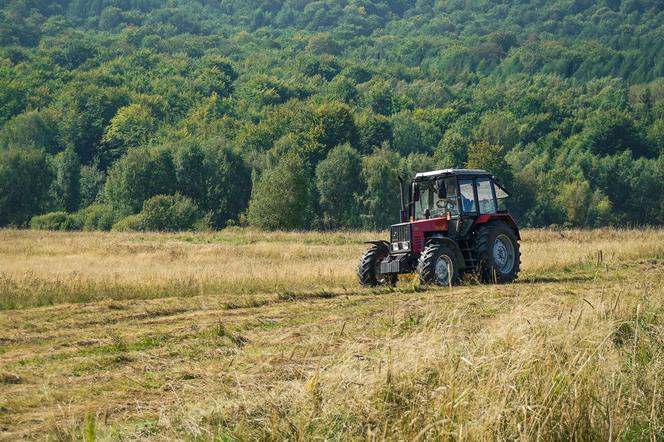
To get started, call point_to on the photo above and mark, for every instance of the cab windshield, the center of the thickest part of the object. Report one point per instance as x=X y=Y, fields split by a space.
x=430 y=205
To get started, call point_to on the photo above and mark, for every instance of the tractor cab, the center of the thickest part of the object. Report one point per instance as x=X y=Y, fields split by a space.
x=454 y=191
x=451 y=209
x=455 y=194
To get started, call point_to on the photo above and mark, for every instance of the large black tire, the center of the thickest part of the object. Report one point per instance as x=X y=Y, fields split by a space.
x=497 y=249
x=368 y=270
x=438 y=265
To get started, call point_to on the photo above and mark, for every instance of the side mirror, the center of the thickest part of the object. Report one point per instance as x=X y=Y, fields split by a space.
x=416 y=192
x=442 y=189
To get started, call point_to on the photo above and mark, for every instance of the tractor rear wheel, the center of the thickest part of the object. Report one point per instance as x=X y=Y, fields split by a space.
x=497 y=248
x=368 y=271
x=438 y=265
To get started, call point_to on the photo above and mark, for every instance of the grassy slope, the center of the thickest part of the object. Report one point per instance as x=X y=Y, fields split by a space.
x=270 y=337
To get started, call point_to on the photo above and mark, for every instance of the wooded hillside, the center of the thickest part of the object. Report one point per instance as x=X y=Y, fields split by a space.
x=179 y=114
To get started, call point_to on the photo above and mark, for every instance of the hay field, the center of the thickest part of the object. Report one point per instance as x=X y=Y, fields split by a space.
x=240 y=335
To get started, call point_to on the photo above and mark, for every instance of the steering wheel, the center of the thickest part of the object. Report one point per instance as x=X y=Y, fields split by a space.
x=442 y=204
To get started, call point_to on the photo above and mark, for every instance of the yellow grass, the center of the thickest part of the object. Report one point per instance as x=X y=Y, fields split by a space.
x=243 y=334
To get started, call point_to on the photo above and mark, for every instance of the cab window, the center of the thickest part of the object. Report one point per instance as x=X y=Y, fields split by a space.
x=449 y=204
x=468 y=202
x=429 y=205
x=485 y=196
x=501 y=196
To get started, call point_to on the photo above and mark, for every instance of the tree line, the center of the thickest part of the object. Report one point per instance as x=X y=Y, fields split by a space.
x=146 y=115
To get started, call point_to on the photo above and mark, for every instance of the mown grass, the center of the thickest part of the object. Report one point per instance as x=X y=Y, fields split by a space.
x=268 y=337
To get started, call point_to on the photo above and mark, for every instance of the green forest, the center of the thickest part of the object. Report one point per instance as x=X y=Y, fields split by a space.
x=294 y=114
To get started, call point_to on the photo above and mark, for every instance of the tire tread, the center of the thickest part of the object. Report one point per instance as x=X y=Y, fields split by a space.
x=426 y=265
x=365 y=269
x=481 y=248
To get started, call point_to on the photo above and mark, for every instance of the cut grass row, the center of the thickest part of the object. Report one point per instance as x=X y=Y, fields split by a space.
x=544 y=361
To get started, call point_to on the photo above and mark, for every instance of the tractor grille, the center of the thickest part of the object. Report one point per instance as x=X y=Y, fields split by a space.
x=400 y=234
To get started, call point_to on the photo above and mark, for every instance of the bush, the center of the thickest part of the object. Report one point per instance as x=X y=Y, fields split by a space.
x=139 y=175
x=131 y=223
x=99 y=217
x=280 y=197
x=56 y=221
x=168 y=213
x=206 y=223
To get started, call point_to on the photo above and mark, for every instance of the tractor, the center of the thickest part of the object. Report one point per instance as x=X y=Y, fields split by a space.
x=454 y=222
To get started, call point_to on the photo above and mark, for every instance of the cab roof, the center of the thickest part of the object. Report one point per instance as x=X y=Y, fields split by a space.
x=463 y=172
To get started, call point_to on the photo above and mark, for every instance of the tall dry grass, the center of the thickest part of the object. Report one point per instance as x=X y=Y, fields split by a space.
x=40 y=268
x=241 y=335
x=44 y=268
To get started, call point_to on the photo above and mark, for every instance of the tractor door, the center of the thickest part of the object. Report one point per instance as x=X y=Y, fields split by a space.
x=468 y=202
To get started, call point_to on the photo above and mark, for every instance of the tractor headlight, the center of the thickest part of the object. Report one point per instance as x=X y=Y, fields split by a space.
x=401 y=245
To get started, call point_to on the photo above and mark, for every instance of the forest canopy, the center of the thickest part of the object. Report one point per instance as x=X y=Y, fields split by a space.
x=293 y=114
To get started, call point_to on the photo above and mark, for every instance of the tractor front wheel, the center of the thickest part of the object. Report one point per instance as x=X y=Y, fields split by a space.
x=368 y=271
x=438 y=265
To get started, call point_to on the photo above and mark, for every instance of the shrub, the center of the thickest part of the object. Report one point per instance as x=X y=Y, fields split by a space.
x=169 y=213
x=56 y=221
x=131 y=223
x=206 y=223
x=280 y=196
x=99 y=217
x=139 y=175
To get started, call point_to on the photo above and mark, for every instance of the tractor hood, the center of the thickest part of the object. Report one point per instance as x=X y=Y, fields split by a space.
x=409 y=237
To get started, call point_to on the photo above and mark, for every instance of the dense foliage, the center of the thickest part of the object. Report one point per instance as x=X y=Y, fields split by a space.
x=300 y=114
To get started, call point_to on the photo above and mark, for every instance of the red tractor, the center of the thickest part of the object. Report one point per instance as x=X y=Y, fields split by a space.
x=454 y=222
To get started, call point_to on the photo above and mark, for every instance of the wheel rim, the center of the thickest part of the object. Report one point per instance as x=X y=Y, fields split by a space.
x=444 y=270
x=503 y=254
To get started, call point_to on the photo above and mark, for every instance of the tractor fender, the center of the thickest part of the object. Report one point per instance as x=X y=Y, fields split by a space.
x=504 y=217
x=451 y=244
x=382 y=245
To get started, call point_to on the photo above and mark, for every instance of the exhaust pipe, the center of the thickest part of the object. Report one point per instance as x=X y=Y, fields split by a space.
x=404 y=216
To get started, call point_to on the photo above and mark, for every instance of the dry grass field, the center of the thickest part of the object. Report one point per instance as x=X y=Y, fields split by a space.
x=242 y=335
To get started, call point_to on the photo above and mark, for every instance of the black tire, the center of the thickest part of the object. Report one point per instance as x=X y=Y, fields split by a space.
x=368 y=270
x=429 y=259
x=490 y=253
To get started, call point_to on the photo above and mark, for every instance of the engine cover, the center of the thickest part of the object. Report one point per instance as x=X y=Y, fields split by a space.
x=409 y=237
